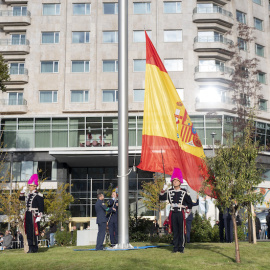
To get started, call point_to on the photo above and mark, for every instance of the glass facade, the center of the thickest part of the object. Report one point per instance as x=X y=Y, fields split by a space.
x=102 y=131
x=88 y=182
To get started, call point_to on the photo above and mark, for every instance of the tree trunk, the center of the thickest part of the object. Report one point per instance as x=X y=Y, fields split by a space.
x=237 y=251
x=25 y=242
x=253 y=224
x=249 y=226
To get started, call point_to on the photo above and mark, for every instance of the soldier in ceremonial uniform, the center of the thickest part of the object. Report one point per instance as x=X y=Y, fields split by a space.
x=101 y=209
x=113 y=219
x=34 y=210
x=181 y=203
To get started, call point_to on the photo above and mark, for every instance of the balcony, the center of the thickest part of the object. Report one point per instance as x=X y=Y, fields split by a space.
x=18 y=76
x=14 y=46
x=13 y=106
x=217 y=44
x=225 y=106
x=220 y=2
x=10 y=18
x=213 y=15
x=10 y=2
x=214 y=73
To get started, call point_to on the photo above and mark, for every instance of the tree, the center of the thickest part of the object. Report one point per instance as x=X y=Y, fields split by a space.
x=233 y=174
x=150 y=192
x=244 y=86
x=4 y=73
x=56 y=203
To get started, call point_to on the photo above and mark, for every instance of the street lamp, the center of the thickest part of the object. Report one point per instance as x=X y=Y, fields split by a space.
x=213 y=141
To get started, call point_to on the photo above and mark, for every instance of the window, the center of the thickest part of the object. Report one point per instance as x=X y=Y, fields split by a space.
x=15 y=98
x=259 y=49
x=138 y=95
x=110 y=65
x=241 y=17
x=48 y=96
x=80 y=37
x=172 y=35
x=173 y=64
x=79 y=96
x=49 y=66
x=80 y=66
x=109 y=95
x=210 y=36
x=110 y=8
x=19 y=11
x=261 y=77
x=50 y=37
x=172 y=7
x=263 y=105
x=51 y=9
x=207 y=8
x=244 y=100
x=210 y=94
x=210 y=65
x=141 y=8
x=81 y=9
x=242 y=44
x=258 y=24
x=139 y=65
x=18 y=39
x=259 y=2
x=139 y=35
x=16 y=68
x=110 y=36
x=180 y=92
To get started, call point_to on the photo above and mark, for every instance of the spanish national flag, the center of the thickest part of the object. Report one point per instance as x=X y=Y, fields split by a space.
x=168 y=136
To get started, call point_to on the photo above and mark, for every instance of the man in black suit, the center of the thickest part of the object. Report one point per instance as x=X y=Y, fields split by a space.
x=101 y=210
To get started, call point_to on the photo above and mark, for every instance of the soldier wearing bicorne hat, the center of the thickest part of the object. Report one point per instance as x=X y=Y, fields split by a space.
x=180 y=204
x=34 y=210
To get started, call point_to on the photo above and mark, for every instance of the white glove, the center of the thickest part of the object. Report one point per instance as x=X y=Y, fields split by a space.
x=38 y=219
x=24 y=190
x=165 y=187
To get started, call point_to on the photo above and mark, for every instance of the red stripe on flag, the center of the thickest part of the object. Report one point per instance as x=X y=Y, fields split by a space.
x=191 y=166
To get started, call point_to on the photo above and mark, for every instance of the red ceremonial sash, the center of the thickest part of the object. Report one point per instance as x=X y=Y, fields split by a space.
x=35 y=226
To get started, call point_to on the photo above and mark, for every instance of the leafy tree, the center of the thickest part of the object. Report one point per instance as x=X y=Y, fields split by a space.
x=233 y=174
x=4 y=73
x=150 y=192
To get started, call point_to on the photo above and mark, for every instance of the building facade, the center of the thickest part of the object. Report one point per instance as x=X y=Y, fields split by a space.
x=59 y=113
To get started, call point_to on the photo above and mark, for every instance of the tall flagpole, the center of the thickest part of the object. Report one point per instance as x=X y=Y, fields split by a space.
x=123 y=207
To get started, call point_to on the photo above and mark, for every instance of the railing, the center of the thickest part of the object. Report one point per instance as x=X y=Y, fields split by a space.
x=214 y=39
x=213 y=10
x=18 y=101
x=214 y=68
x=14 y=13
x=14 y=42
x=18 y=71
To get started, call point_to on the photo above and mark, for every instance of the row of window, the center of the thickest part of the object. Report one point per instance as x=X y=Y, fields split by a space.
x=138 y=36
x=242 y=18
x=84 y=66
x=108 y=8
x=112 y=8
x=205 y=65
x=81 y=96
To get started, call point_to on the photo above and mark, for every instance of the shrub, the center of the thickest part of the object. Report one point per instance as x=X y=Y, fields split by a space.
x=63 y=238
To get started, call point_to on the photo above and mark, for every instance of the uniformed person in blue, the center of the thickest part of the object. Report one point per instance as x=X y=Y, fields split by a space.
x=113 y=219
x=101 y=210
x=34 y=211
x=180 y=203
x=190 y=218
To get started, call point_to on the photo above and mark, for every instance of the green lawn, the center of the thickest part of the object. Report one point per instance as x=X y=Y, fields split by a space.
x=197 y=256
